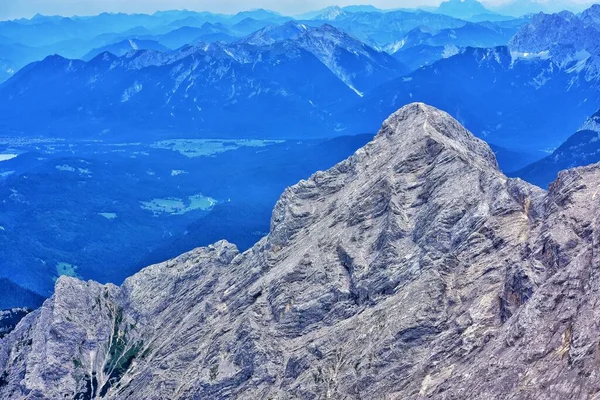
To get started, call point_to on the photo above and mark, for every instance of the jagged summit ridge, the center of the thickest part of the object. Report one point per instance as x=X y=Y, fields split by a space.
x=436 y=122
x=409 y=141
x=388 y=275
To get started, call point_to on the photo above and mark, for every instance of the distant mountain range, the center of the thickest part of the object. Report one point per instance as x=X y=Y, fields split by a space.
x=563 y=36
x=422 y=47
x=517 y=8
x=545 y=82
x=126 y=46
x=384 y=28
x=239 y=89
x=226 y=76
x=469 y=10
x=526 y=103
x=336 y=10
x=27 y=40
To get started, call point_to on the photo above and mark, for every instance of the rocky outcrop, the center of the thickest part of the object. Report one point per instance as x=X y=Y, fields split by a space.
x=563 y=35
x=414 y=269
x=550 y=348
x=10 y=318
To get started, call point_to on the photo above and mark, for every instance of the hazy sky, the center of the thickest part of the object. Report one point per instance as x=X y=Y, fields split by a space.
x=26 y=8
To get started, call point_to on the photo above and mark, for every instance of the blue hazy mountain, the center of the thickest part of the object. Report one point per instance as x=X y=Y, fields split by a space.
x=125 y=46
x=563 y=35
x=208 y=33
x=384 y=28
x=198 y=89
x=544 y=83
x=249 y=25
x=214 y=89
x=7 y=69
x=275 y=33
x=331 y=14
x=422 y=47
x=420 y=55
x=13 y=57
x=387 y=28
x=358 y=65
x=191 y=22
x=75 y=37
x=464 y=9
x=218 y=89
x=188 y=35
x=315 y=14
x=172 y=16
x=362 y=8
x=581 y=149
x=515 y=159
x=27 y=40
x=496 y=94
x=518 y=8
x=42 y=30
x=591 y=16
x=259 y=14
x=469 y=10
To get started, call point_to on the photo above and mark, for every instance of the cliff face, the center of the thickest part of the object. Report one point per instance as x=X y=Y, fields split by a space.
x=550 y=348
x=413 y=269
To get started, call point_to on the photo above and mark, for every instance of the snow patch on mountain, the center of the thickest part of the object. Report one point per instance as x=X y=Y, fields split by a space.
x=449 y=51
x=519 y=55
x=396 y=46
x=131 y=91
x=592 y=124
x=133 y=45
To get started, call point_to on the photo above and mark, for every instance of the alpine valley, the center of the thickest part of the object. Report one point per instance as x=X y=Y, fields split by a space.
x=448 y=253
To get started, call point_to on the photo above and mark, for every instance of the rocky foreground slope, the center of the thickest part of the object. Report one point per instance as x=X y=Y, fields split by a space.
x=415 y=269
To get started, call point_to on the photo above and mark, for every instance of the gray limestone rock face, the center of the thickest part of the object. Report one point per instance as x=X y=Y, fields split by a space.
x=414 y=269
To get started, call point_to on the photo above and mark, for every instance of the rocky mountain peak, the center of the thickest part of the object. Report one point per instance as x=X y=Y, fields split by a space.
x=398 y=272
x=274 y=33
x=411 y=141
x=591 y=16
x=331 y=14
x=435 y=123
x=561 y=34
